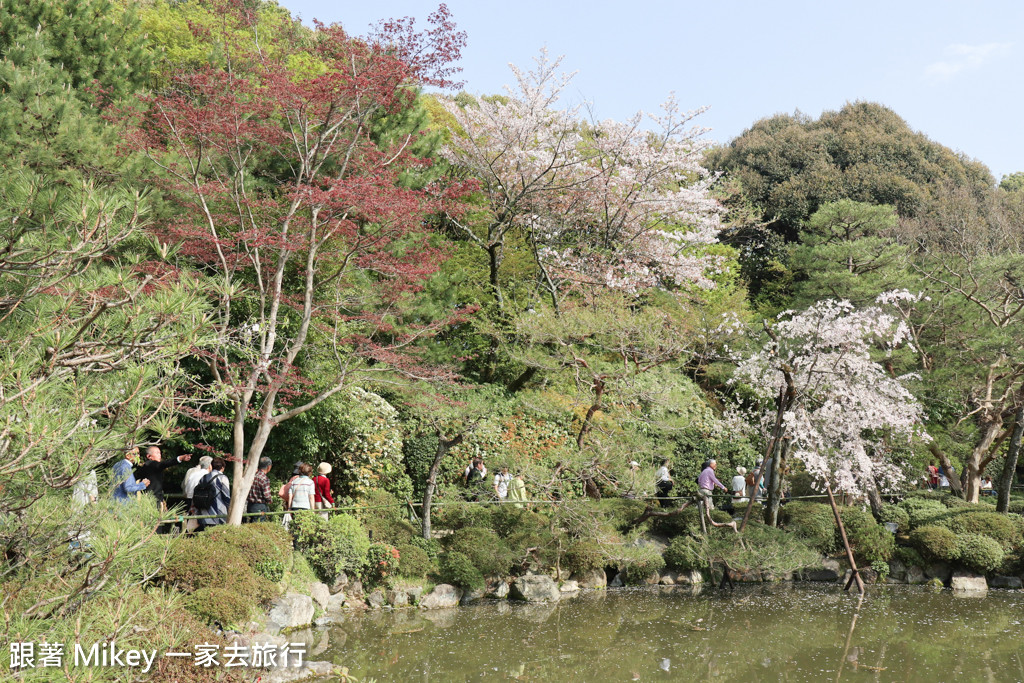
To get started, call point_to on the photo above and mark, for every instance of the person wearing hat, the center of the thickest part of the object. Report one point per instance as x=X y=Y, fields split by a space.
x=323 y=498
x=739 y=487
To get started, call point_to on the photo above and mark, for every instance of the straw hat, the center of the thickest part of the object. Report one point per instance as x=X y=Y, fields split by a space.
x=741 y=471
x=324 y=468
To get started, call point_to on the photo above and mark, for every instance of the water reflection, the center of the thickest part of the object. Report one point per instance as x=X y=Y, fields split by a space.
x=755 y=633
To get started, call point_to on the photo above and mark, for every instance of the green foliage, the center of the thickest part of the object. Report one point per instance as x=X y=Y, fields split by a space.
x=922 y=511
x=431 y=547
x=255 y=542
x=638 y=563
x=458 y=570
x=979 y=552
x=581 y=556
x=220 y=605
x=764 y=548
x=683 y=553
x=873 y=544
x=991 y=524
x=382 y=562
x=414 y=561
x=896 y=515
x=271 y=570
x=935 y=543
x=814 y=522
x=330 y=547
x=909 y=556
x=484 y=548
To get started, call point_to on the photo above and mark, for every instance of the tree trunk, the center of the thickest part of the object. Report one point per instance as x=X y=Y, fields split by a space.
x=1010 y=464
x=596 y=406
x=428 y=495
x=771 y=513
x=974 y=469
x=875 y=499
x=946 y=466
x=240 y=486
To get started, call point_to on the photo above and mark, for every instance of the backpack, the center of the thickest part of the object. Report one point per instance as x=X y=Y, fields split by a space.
x=475 y=476
x=750 y=480
x=204 y=496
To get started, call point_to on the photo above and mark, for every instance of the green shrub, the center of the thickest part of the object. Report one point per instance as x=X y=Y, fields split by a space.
x=382 y=562
x=484 y=548
x=414 y=563
x=683 y=553
x=856 y=520
x=881 y=568
x=922 y=511
x=873 y=543
x=813 y=522
x=896 y=515
x=991 y=524
x=802 y=484
x=955 y=502
x=271 y=570
x=262 y=541
x=619 y=513
x=581 y=556
x=220 y=605
x=764 y=548
x=338 y=545
x=935 y=543
x=640 y=563
x=460 y=515
x=909 y=556
x=1016 y=507
x=206 y=561
x=508 y=519
x=686 y=522
x=979 y=552
x=431 y=547
x=458 y=570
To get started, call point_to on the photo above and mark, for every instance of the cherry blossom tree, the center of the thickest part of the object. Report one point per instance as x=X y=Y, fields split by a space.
x=826 y=398
x=308 y=239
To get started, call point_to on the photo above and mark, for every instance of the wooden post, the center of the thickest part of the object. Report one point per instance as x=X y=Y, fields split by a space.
x=846 y=542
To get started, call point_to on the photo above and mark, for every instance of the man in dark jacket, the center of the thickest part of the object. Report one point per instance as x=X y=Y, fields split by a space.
x=153 y=469
x=221 y=495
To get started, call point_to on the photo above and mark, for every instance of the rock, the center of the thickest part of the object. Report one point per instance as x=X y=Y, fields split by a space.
x=689 y=578
x=414 y=593
x=291 y=610
x=592 y=578
x=355 y=589
x=829 y=571
x=616 y=582
x=497 y=589
x=340 y=582
x=323 y=621
x=569 y=587
x=965 y=582
x=376 y=599
x=535 y=589
x=397 y=598
x=915 y=575
x=746 y=576
x=939 y=570
x=285 y=674
x=868 y=575
x=897 y=571
x=335 y=603
x=320 y=593
x=472 y=595
x=998 y=581
x=443 y=595
x=652 y=579
x=668 y=579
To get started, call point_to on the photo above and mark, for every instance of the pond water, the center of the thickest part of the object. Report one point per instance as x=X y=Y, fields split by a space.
x=770 y=632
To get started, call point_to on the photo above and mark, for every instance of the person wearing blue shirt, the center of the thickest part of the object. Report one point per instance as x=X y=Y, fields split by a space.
x=124 y=477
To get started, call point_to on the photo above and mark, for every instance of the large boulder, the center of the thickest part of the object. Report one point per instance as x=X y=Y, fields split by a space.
x=376 y=599
x=939 y=570
x=1004 y=582
x=472 y=595
x=497 y=588
x=829 y=571
x=340 y=582
x=592 y=578
x=397 y=598
x=443 y=595
x=535 y=588
x=414 y=593
x=569 y=587
x=289 y=611
x=915 y=575
x=689 y=578
x=320 y=593
x=335 y=603
x=965 y=582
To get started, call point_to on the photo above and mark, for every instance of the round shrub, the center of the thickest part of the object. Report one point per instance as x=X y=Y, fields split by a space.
x=991 y=524
x=484 y=548
x=909 y=557
x=980 y=553
x=682 y=553
x=814 y=522
x=922 y=511
x=271 y=570
x=256 y=542
x=873 y=544
x=338 y=545
x=954 y=502
x=458 y=570
x=935 y=543
x=856 y=520
x=382 y=561
x=640 y=563
x=414 y=563
x=1016 y=507
x=220 y=605
x=432 y=547
x=581 y=556
x=896 y=515
x=206 y=561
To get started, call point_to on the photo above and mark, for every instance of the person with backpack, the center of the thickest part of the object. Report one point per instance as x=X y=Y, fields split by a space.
x=323 y=499
x=501 y=481
x=301 y=490
x=475 y=472
x=212 y=495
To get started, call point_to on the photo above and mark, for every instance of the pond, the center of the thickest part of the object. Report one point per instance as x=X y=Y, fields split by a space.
x=768 y=632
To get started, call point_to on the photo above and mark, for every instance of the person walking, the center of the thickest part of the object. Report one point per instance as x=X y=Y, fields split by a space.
x=259 y=499
x=739 y=487
x=212 y=495
x=125 y=484
x=706 y=483
x=302 y=491
x=322 y=498
x=517 y=491
x=501 y=481
x=193 y=476
x=153 y=469
x=663 y=483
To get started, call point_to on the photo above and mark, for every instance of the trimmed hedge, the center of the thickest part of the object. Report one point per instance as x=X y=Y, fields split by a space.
x=935 y=543
x=979 y=552
x=683 y=553
x=414 y=563
x=922 y=511
x=813 y=522
x=897 y=515
x=458 y=570
x=484 y=548
x=991 y=524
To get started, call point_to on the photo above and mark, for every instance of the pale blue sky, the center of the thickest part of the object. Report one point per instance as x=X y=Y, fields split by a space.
x=952 y=70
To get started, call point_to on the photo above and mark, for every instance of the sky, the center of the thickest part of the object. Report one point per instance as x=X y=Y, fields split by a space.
x=954 y=70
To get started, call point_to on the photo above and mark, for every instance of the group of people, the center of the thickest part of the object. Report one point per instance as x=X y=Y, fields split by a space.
x=504 y=485
x=743 y=487
x=207 y=489
x=938 y=477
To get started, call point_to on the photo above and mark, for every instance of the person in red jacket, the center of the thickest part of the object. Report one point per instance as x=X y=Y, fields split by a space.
x=322 y=484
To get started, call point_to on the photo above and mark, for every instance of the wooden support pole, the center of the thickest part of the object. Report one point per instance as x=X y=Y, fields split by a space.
x=846 y=542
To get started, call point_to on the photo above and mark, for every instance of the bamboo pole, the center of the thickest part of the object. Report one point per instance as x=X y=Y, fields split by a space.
x=846 y=542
